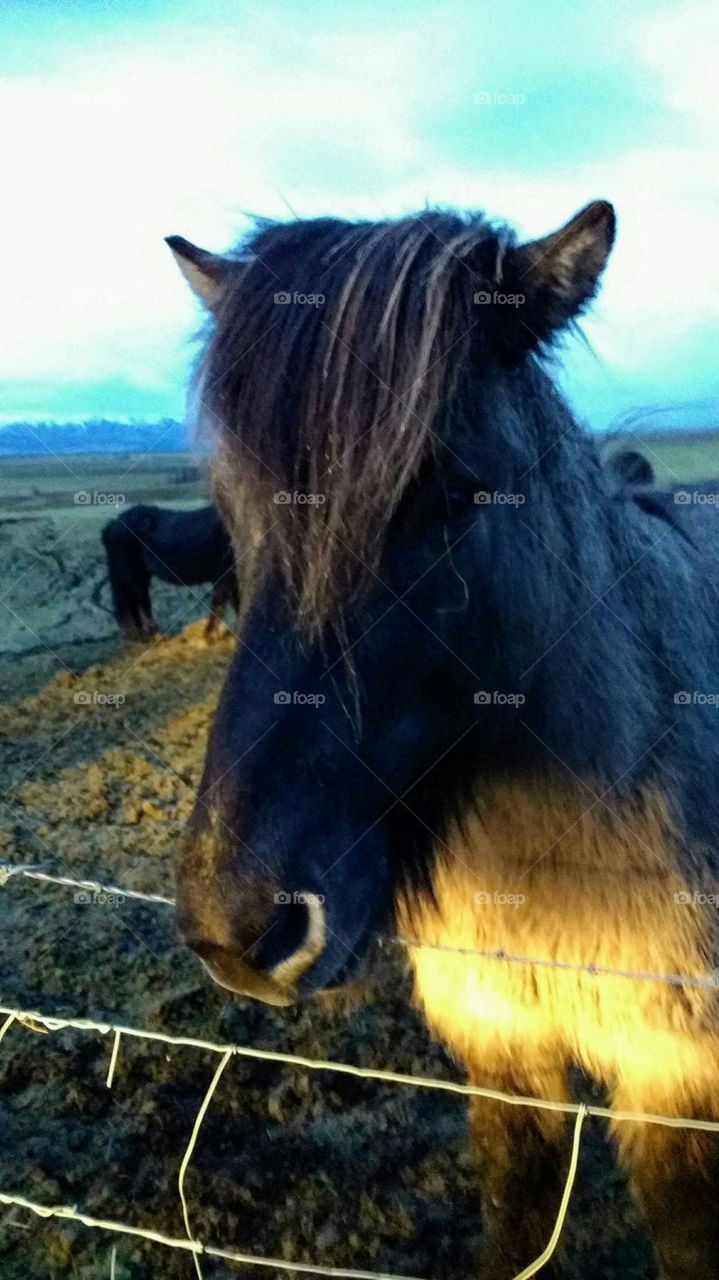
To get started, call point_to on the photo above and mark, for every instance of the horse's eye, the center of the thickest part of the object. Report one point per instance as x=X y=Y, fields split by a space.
x=459 y=496
x=446 y=501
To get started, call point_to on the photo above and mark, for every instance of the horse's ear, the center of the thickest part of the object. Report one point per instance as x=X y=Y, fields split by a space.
x=556 y=276
x=206 y=273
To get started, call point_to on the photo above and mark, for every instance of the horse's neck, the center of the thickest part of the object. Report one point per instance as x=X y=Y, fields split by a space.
x=574 y=654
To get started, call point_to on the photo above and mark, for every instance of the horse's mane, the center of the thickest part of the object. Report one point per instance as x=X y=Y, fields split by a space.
x=343 y=395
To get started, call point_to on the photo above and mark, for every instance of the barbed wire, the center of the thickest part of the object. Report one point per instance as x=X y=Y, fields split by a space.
x=36 y=871
x=37 y=1020
x=198 y=1248
x=707 y=982
x=195 y=1247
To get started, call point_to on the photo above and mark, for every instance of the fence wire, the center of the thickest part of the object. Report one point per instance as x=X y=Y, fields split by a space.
x=705 y=981
x=39 y=1021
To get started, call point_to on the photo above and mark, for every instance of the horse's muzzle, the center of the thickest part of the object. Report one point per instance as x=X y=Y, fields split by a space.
x=271 y=968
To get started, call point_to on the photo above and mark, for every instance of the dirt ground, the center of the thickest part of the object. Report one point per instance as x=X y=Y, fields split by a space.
x=298 y=1165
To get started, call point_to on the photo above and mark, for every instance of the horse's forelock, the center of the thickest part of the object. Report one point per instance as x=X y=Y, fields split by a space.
x=335 y=397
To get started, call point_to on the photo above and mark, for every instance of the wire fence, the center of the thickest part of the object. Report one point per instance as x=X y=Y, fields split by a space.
x=707 y=981
x=39 y=1021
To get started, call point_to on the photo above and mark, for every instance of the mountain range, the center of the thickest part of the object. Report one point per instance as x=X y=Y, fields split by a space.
x=99 y=435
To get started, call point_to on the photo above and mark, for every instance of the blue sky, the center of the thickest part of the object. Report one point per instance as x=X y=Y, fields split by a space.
x=125 y=122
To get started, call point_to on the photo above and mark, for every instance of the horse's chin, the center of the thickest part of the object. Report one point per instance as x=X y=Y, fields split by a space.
x=237 y=977
x=341 y=1001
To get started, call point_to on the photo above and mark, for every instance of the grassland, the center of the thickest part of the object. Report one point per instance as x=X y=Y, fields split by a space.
x=57 y=605
x=678 y=457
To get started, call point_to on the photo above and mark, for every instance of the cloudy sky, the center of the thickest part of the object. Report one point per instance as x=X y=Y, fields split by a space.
x=124 y=122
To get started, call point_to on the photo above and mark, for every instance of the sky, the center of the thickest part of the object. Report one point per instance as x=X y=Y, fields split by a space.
x=124 y=122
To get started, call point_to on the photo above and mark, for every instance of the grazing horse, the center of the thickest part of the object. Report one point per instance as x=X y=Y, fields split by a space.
x=631 y=467
x=476 y=700
x=692 y=508
x=183 y=547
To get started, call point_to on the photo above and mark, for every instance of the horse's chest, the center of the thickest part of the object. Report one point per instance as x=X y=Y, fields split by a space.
x=549 y=876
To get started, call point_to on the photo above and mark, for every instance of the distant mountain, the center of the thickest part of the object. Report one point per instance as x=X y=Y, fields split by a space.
x=94 y=436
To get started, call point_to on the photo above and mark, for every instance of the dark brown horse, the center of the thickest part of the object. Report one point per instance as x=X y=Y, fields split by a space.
x=692 y=507
x=631 y=467
x=186 y=548
x=477 y=698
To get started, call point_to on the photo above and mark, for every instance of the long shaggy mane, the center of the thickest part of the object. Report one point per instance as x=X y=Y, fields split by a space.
x=327 y=405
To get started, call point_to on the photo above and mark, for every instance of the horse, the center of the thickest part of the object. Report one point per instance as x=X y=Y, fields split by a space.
x=475 y=702
x=632 y=467
x=690 y=508
x=183 y=547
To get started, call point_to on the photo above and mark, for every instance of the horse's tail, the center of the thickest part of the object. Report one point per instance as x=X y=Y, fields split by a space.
x=129 y=579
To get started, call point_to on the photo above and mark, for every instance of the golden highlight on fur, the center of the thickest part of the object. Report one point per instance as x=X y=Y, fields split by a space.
x=606 y=892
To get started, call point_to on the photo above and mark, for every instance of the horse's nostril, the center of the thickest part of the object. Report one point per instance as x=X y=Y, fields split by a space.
x=286 y=932
x=267 y=966
x=295 y=937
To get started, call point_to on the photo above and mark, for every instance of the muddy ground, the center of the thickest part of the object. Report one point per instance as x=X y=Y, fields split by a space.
x=297 y=1165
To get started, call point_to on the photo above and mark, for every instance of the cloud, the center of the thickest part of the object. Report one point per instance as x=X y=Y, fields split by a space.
x=186 y=120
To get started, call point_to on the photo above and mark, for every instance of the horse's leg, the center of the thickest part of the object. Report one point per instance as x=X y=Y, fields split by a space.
x=224 y=592
x=123 y=566
x=220 y=594
x=675 y=1176
x=522 y=1154
x=148 y=626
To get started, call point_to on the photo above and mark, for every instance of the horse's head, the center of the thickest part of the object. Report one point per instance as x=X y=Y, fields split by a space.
x=632 y=468
x=381 y=410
